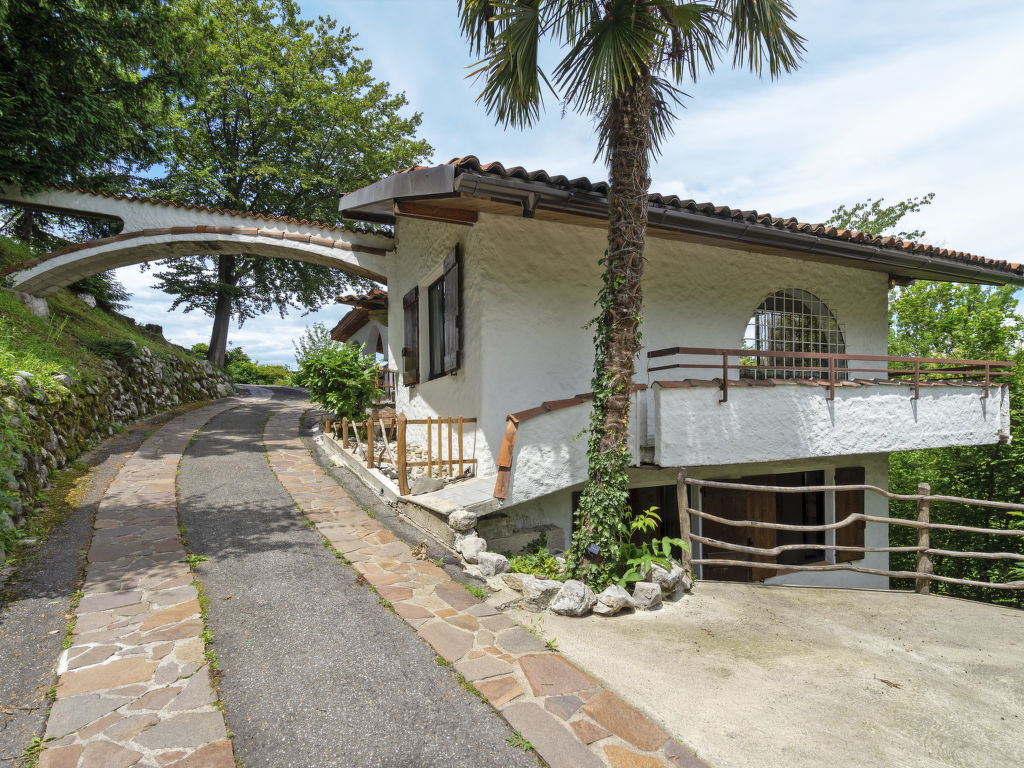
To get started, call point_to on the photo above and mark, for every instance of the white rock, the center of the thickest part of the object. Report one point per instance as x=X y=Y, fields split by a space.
x=492 y=564
x=646 y=595
x=537 y=593
x=668 y=580
x=515 y=580
x=574 y=599
x=461 y=520
x=612 y=600
x=471 y=547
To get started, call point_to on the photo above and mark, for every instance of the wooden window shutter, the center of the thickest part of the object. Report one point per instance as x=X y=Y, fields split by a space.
x=849 y=503
x=452 y=311
x=411 y=342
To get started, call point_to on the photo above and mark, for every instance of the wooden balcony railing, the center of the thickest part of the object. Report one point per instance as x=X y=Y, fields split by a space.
x=829 y=368
x=387 y=380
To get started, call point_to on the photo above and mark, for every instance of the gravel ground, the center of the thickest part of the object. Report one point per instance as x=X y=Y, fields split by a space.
x=315 y=671
x=37 y=598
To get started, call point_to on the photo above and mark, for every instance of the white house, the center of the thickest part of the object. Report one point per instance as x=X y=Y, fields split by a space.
x=366 y=324
x=493 y=277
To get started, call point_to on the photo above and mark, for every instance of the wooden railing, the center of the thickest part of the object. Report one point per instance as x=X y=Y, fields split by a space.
x=924 y=498
x=830 y=368
x=387 y=380
x=395 y=429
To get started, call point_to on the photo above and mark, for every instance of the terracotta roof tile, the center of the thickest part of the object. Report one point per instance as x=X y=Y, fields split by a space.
x=210 y=209
x=470 y=164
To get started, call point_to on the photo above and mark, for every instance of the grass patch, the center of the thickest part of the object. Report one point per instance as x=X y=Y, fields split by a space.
x=517 y=740
x=476 y=591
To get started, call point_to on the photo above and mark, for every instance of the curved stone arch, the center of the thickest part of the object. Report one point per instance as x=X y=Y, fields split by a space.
x=48 y=274
x=160 y=229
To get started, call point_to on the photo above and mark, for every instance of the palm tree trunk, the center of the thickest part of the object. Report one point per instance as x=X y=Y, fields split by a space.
x=629 y=137
x=222 y=312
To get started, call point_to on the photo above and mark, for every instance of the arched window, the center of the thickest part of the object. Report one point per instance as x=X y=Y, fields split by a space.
x=794 y=320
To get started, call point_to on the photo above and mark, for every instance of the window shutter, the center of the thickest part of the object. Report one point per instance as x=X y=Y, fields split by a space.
x=411 y=342
x=849 y=503
x=452 y=311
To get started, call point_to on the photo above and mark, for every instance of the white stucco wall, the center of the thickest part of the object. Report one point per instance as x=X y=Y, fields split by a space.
x=368 y=336
x=421 y=247
x=791 y=422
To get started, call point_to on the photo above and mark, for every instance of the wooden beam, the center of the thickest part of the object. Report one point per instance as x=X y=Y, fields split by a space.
x=415 y=210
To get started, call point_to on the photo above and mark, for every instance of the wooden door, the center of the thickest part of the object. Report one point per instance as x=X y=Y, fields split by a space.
x=761 y=508
x=731 y=505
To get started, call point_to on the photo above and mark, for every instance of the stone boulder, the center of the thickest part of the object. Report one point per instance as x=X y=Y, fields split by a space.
x=515 y=581
x=668 y=580
x=471 y=547
x=646 y=596
x=538 y=593
x=461 y=519
x=492 y=564
x=613 y=600
x=574 y=599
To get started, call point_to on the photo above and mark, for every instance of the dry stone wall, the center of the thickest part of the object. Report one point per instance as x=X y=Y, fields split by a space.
x=44 y=426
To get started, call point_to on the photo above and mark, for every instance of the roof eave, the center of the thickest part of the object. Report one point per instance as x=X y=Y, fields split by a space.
x=376 y=202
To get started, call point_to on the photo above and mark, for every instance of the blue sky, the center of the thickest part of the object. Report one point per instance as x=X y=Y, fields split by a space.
x=894 y=99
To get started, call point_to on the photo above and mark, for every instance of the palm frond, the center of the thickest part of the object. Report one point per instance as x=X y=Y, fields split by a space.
x=761 y=36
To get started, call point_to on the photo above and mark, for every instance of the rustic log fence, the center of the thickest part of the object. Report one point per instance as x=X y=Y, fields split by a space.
x=444 y=449
x=922 y=577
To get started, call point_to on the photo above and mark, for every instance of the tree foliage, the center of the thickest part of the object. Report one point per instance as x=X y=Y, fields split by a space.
x=875 y=218
x=964 y=321
x=621 y=62
x=289 y=119
x=85 y=86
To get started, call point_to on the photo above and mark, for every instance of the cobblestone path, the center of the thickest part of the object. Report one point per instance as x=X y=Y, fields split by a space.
x=569 y=717
x=134 y=687
x=315 y=671
x=311 y=668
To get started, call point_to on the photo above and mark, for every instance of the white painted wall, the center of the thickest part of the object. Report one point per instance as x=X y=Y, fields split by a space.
x=368 y=336
x=792 y=422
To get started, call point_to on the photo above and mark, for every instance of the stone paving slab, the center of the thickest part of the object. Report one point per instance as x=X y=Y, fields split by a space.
x=535 y=689
x=134 y=687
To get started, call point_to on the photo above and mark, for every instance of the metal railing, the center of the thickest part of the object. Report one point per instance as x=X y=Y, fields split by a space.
x=922 y=576
x=831 y=368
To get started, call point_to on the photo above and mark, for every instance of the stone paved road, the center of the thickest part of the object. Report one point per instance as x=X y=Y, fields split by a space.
x=315 y=671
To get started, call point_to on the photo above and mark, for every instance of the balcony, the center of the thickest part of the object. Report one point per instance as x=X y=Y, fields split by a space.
x=767 y=405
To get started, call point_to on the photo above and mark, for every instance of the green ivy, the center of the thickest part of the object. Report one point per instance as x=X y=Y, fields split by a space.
x=597 y=553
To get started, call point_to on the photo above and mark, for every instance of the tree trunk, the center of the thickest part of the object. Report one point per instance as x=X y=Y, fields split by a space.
x=27 y=222
x=629 y=122
x=222 y=313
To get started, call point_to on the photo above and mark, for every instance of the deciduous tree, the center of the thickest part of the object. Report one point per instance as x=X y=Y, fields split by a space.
x=290 y=119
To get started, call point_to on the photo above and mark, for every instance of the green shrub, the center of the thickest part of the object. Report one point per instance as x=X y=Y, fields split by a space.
x=341 y=380
x=240 y=367
x=277 y=375
x=119 y=350
x=534 y=558
x=314 y=339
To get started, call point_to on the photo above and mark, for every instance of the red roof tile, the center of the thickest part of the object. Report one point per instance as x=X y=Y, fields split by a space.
x=471 y=164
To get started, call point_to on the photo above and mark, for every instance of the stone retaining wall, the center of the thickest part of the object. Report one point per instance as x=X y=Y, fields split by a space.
x=44 y=428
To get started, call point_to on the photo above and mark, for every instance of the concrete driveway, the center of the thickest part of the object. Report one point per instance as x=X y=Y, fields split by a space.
x=793 y=677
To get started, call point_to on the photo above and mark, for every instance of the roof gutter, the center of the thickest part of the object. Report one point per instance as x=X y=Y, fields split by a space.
x=538 y=195
x=376 y=203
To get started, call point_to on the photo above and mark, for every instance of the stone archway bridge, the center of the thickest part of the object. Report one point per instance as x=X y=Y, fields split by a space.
x=158 y=229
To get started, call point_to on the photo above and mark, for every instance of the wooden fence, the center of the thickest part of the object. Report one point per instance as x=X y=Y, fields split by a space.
x=441 y=432
x=923 y=576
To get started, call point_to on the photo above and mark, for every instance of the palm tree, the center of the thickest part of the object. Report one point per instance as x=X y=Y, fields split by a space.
x=623 y=62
